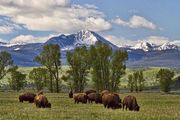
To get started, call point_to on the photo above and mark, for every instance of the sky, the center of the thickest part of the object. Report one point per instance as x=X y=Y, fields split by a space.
x=119 y=21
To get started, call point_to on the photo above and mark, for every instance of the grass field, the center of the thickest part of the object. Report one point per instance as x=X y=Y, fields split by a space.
x=154 y=106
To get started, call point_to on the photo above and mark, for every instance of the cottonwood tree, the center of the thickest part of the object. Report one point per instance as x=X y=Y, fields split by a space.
x=131 y=82
x=79 y=68
x=141 y=80
x=100 y=63
x=17 y=79
x=50 y=58
x=136 y=81
x=39 y=77
x=164 y=77
x=107 y=66
x=5 y=61
x=118 y=68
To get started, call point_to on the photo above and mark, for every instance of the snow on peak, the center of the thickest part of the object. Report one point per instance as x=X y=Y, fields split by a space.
x=16 y=49
x=143 y=46
x=167 y=46
x=86 y=37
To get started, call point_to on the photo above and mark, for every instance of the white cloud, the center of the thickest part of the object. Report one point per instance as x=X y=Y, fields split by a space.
x=176 y=42
x=135 y=22
x=90 y=6
x=7 y=26
x=120 y=41
x=6 y=29
x=31 y=39
x=54 y=15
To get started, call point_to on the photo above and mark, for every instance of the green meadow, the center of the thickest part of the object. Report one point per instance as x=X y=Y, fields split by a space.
x=153 y=106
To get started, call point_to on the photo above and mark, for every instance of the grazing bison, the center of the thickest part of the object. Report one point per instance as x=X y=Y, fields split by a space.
x=80 y=97
x=98 y=98
x=42 y=102
x=111 y=100
x=71 y=94
x=90 y=91
x=28 y=96
x=117 y=97
x=130 y=103
x=104 y=92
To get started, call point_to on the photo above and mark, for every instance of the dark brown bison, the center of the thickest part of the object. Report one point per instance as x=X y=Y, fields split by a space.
x=80 y=97
x=98 y=98
x=90 y=91
x=28 y=96
x=130 y=103
x=111 y=100
x=71 y=94
x=117 y=97
x=104 y=92
x=41 y=101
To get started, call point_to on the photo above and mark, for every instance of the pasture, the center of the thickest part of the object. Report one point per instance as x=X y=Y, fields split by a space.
x=154 y=106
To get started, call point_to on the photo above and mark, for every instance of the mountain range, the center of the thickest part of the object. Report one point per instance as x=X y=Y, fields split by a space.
x=143 y=54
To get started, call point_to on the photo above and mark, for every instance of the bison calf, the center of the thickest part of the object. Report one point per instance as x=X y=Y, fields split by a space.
x=28 y=96
x=130 y=102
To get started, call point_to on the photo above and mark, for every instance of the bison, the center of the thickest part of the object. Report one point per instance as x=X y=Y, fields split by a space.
x=80 y=97
x=111 y=100
x=41 y=101
x=96 y=97
x=130 y=102
x=28 y=96
x=71 y=94
x=104 y=92
x=90 y=91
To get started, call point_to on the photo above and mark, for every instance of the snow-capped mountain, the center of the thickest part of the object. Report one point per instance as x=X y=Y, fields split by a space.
x=145 y=46
x=83 y=37
x=167 y=46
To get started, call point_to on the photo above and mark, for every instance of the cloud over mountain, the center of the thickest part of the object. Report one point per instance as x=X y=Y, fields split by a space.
x=54 y=15
x=135 y=22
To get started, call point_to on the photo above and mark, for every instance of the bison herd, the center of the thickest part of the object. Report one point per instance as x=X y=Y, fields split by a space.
x=107 y=98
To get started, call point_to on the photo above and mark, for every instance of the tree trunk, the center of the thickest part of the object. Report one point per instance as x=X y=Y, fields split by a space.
x=51 y=82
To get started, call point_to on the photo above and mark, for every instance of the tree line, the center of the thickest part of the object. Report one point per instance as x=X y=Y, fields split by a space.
x=104 y=65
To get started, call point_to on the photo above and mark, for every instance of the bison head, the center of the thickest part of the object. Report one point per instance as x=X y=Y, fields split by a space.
x=48 y=105
x=70 y=94
x=137 y=108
